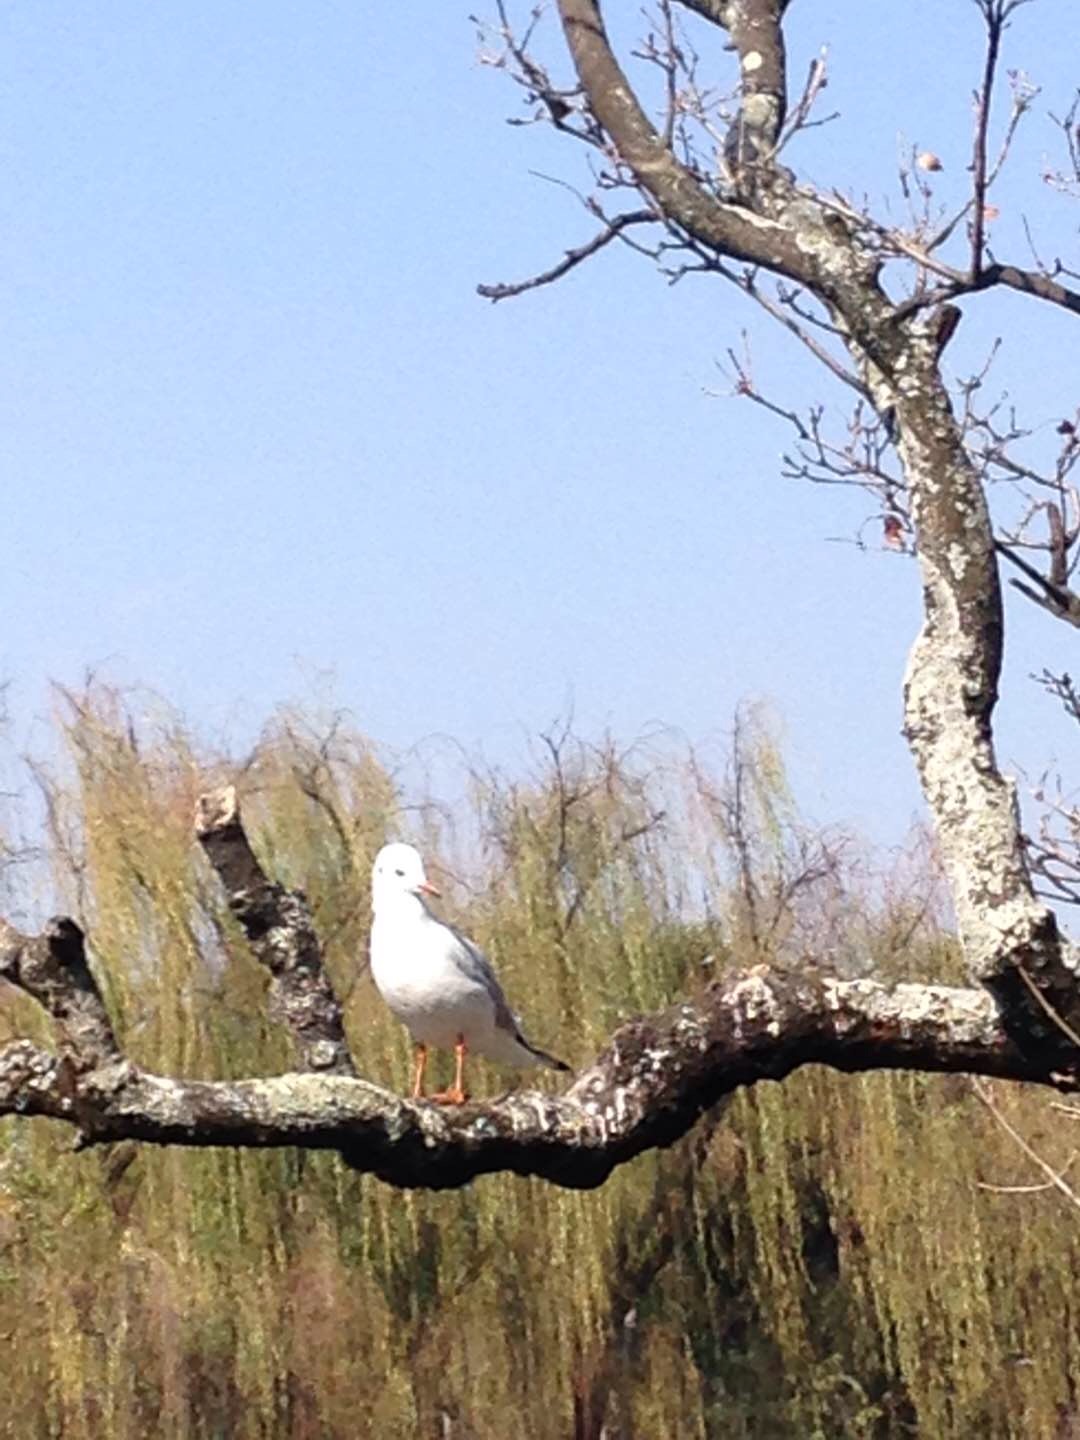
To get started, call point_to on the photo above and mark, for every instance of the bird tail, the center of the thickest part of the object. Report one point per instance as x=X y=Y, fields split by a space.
x=544 y=1058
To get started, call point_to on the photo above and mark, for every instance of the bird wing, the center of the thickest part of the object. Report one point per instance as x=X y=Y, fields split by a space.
x=474 y=963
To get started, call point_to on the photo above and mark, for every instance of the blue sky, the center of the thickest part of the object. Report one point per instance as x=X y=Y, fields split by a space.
x=261 y=441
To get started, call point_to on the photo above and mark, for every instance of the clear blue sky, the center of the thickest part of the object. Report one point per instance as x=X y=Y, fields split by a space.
x=257 y=427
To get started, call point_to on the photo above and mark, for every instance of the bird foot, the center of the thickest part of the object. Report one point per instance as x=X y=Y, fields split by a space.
x=454 y=1096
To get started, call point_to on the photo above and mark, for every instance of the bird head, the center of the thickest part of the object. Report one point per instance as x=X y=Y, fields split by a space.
x=398 y=870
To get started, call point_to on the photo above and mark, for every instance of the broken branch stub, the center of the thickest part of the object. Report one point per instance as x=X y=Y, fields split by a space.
x=52 y=968
x=281 y=932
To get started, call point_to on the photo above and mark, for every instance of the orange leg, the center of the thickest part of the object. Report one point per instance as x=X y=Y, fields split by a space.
x=456 y=1094
x=418 y=1073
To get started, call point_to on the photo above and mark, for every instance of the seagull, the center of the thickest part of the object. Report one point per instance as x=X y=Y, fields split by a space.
x=435 y=980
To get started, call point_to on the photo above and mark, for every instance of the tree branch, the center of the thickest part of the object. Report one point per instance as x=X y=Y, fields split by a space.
x=654 y=1080
x=279 y=927
x=950 y=692
x=1030 y=282
x=52 y=968
x=646 y=1090
x=1061 y=601
x=1055 y=1178
x=756 y=33
x=735 y=231
x=994 y=13
x=951 y=686
x=613 y=228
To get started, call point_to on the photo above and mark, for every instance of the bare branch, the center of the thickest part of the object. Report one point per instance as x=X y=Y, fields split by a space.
x=994 y=13
x=1067 y=124
x=1054 y=1177
x=836 y=251
x=1054 y=1017
x=612 y=230
x=747 y=281
x=1036 y=1189
x=1059 y=600
x=799 y=118
x=1030 y=282
x=728 y=228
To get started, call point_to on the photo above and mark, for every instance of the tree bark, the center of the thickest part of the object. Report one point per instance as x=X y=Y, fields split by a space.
x=647 y=1089
x=281 y=932
x=1010 y=937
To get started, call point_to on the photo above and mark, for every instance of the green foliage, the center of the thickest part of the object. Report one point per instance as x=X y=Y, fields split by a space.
x=818 y=1261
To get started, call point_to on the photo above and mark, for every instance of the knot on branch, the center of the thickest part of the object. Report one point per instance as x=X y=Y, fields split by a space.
x=324 y=1055
x=52 y=968
x=28 y=1075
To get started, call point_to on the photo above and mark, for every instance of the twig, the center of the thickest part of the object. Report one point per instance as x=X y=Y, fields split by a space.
x=1058 y=599
x=994 y=13
x=747 y=282
x=1027 y=1189
x=1062 y=1024
x=613 y=230
x=1053 y=1177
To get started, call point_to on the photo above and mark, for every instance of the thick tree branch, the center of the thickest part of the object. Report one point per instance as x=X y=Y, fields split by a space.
x=1013 y=277
x=950 y=691
x=737 y=232
x=756 y=33
x=647 y=1089
x=951 y=686
x=1030 y=282
x=279 y=927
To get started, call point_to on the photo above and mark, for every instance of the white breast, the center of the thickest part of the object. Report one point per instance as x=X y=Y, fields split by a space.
x=414 y=965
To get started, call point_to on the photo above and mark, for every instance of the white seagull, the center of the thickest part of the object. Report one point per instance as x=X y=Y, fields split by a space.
x=435 y=980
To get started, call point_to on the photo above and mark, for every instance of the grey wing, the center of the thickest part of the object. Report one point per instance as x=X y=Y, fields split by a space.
x=478 y=968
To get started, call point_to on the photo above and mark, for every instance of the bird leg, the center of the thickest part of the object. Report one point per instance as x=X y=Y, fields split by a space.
x=456 y=1094
x=418 y=1073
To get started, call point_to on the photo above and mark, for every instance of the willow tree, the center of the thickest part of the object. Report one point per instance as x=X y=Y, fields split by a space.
x=709 y=188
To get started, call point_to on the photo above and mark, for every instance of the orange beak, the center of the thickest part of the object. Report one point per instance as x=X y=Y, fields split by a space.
x=426 y=888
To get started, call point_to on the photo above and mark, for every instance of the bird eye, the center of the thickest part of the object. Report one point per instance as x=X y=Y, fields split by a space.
x=400 y=874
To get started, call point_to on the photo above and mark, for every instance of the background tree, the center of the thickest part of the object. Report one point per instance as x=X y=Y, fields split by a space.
x=875 y=302
x=835 y=1253
x=713 y=179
